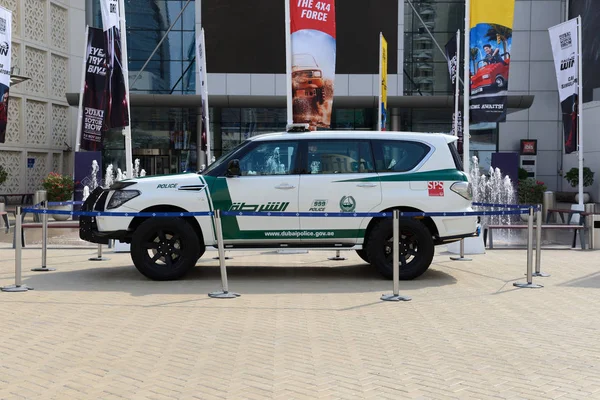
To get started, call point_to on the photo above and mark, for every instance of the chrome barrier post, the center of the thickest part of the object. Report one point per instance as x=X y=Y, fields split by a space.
x=337 y=257
x=44 y=206
x=225 y=293
x=529 y=283
x=99 y=256
x=462 y=253
x=538 y=244
x=18 y=286
x=395 y=296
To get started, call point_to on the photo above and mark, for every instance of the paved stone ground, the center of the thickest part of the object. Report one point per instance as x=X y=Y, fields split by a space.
x=304 y=328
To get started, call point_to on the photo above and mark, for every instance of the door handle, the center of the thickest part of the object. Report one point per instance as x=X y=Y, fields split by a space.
x=285 y=186
x=366 y=185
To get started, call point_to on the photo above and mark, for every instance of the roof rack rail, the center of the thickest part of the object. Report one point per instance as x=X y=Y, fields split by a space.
x=294 y=128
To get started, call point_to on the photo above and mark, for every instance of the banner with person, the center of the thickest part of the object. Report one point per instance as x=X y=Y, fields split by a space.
x=491 y=42
x=117 y=112
x=203 y=91
x=382 y=82
x=5 y=53
x=93 y=102
x=564 y=41
x=313 y=47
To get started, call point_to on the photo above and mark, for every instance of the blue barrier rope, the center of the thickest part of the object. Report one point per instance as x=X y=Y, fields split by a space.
x=273 y=214
x=535 y=206
x=64 y=203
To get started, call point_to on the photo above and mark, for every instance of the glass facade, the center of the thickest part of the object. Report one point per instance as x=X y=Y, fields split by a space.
x=163 y=139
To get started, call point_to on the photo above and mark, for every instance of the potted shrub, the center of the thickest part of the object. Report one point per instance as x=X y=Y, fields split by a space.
x=573 y=178
x=59 y=188
x=530 y=191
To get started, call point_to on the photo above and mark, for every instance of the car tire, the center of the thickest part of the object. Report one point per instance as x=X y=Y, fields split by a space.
x=164 y=249
x=363 y=254
x=416 y=248
x=500 y=82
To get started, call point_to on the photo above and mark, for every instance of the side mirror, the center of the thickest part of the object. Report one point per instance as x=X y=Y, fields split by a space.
x=233 y=168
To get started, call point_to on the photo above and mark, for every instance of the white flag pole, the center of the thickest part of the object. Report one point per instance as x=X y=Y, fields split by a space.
x=288 y=63
x=466 y=89
x=204 y=83
x=125 y=68
x=81 y=90
x=456 y=84
x=379 y=106
x=580 y=109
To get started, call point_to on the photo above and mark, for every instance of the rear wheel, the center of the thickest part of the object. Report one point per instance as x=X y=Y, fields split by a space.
x=416 y=248
x=164 y=249
x=500 y=81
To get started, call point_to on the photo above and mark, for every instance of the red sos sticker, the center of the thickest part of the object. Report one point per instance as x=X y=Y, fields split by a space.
x=435 y=188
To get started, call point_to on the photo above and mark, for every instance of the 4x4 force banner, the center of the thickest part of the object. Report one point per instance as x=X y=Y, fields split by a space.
x=117 y=114
x=93 y=102
x=491 y=42
x=312 y=33
x=5 y=45
x=564 y=41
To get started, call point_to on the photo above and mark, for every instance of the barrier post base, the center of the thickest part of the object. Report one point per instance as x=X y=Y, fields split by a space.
x=461 y=259
x=15 y=288
x=223 y=295
x=98 y=259
x=527 y=285
x=226 y=258
x=542 y=274
x=43 y=269
x=337 y=257
x=395 y=297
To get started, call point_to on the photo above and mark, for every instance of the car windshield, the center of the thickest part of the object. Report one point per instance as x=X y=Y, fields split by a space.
x=302 y=61
x=224 y=157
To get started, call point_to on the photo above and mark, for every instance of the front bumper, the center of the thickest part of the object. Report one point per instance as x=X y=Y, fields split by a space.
x=88 y=226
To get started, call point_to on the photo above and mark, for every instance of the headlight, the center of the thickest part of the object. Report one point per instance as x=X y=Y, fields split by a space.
x=485 y=76
x=463 y=188
x=121 y=197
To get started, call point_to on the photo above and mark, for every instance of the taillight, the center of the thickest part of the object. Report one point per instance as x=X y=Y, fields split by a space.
x=463 y=188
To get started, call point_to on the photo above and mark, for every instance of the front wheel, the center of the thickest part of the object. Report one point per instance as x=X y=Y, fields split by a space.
x=164 y=249
x=363 y=254
x=416 y=248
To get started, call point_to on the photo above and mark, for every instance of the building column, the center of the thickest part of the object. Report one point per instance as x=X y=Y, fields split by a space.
x=395 y=119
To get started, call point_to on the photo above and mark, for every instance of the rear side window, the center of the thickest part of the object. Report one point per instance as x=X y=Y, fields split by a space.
x=398 y=155
x=455 y=156
x=339 y=157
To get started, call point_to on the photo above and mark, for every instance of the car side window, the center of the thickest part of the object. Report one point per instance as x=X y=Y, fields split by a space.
x=398 y=155
x=270 y=158
x=339 y=157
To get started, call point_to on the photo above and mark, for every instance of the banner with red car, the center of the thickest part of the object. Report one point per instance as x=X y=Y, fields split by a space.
x=313 y=61
x=491 y=42
x=117 y=114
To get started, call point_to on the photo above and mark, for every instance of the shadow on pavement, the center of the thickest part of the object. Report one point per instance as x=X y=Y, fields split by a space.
x=587 y=281
x=270 y=279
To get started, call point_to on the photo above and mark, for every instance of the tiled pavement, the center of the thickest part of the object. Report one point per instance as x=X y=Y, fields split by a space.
x=304 y=328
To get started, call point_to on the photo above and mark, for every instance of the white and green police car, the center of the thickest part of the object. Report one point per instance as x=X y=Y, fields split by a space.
x=296 y=172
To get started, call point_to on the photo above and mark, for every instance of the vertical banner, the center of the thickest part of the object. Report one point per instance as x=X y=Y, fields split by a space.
x=383 y=82
x=201 y=66
x=312 y=29
x=117 y=114
x=564 y=42
x=87 y=174
x=93 y=101
x=5 y=52
x=452 y=57
x=490 y=46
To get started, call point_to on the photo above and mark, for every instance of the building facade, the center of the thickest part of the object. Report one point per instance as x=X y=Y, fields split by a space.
x=40 y=131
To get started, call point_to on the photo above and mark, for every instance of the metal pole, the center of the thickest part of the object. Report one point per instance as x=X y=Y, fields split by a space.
x=466 y=89
x=337 y=257
x=580 y=111
x=18 y=286
x=125 y=68
x=529 y=283
x=44 y=239
x=224 y=294
x=395 y=296
x=462 y=253
x=538 y=243
x=456 y=85
x=81 y=89
x=99 y=256
x=288 y=64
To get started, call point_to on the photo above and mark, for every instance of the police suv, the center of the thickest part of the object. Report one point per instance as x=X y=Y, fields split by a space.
x=292 y=172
